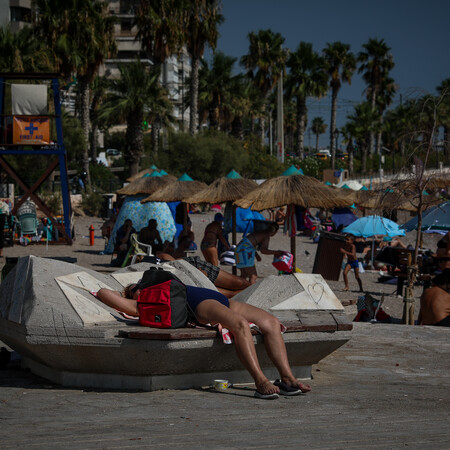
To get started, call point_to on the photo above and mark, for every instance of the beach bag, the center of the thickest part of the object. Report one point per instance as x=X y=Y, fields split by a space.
x=228 y=258
x=284 y=262
x=162 y=302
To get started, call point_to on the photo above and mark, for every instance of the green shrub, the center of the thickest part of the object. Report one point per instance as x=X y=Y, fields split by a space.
x=92 y=203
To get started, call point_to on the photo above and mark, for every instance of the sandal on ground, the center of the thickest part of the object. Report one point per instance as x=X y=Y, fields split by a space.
x=285 y=389
x=266 y=396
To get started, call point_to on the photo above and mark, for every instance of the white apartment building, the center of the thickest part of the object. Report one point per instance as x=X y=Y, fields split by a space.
x=174 y=73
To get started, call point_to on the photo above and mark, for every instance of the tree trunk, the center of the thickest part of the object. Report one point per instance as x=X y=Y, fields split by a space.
x=193 y=113
x=317 y=142
x=237 y=130
x=301 y=116
x=333 y=127
x=363 y=147
x=350 y=157
x=135 y=142
x=371 y=133
x=94 y=136
x=155 y=137
x=85 y=123
x=446 y=143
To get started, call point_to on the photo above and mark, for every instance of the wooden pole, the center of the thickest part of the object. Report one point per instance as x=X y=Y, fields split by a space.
x=233 y=233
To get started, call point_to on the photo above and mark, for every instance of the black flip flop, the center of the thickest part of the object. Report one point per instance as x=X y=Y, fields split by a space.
x=285 y=389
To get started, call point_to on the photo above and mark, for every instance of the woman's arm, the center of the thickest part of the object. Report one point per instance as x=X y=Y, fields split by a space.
x=116 y=301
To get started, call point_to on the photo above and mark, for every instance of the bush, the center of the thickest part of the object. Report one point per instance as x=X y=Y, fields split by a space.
x=92 y=203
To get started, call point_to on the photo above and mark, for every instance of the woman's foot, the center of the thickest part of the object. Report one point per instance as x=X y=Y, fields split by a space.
x=293 y=382
x=345 y=289
x=266 y=388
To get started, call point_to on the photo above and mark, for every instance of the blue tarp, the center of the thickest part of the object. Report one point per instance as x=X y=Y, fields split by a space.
x=342 y=216
x=244 y=220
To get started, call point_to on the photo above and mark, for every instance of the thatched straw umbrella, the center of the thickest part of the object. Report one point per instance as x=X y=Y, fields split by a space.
x=146 y=184
x=143 y=172
x=294 y=190
x=183 y=188
x=225 y=189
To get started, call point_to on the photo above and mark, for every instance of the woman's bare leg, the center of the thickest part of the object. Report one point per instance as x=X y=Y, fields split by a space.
x=232 y=282
x=211 y=311
x=273 y=340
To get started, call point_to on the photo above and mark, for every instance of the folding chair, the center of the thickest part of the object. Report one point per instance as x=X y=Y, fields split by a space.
x=136 y=250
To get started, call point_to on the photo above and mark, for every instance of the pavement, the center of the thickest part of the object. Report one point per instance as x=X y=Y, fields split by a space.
x=386 y=388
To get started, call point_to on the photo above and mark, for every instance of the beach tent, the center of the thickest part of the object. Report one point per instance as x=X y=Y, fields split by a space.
x=434 y=220
x=244 y=219
x=292 y=171
x=342 y=216
x=350 y=184
x=140 y=214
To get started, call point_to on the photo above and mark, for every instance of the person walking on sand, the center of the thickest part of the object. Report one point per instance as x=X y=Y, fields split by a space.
x=349 y=249
x=213 y=233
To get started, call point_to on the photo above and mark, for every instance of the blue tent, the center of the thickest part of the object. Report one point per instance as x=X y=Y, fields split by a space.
x=434 y=220
x=292 y=171
x=342 y=216
x=140 y=214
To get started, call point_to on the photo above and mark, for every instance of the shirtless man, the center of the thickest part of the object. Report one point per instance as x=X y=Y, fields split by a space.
x=435 y=302
x=213 y=233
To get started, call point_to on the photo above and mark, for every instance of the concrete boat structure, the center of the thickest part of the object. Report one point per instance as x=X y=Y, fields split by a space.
x=64 y=334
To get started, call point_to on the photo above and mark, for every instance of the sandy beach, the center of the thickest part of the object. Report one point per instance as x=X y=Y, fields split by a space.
x=90 y=257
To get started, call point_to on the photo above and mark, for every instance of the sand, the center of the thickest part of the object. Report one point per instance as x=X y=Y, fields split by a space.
x=90 y=257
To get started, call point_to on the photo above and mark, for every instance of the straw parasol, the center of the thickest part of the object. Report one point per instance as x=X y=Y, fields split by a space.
x=224 y=189
x=146 y=184
x=143 y=172
x=298 y=190
x=184 y=187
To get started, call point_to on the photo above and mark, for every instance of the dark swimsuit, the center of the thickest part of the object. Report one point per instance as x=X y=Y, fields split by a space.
x=195 y=295
x=443 y=323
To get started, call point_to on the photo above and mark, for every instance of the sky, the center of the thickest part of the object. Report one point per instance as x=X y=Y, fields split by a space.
x=417 y=31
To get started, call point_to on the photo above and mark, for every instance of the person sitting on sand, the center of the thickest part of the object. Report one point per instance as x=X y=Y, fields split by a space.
x=435 y=302
x=352 y=262
x=247 y=250
x=226 y=283
x=213 y=233
x=211 y=307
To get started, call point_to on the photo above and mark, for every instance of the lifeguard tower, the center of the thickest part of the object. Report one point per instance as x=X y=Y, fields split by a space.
x=27 y=131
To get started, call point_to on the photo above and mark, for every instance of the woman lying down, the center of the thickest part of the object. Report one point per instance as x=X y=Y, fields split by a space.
x=213 y=307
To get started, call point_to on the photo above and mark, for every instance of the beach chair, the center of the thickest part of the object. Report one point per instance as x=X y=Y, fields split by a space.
x=28 y=223
x=137 y=249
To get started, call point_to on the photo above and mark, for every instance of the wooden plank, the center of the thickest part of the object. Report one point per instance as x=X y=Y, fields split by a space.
x=317 y=321
x=342 y=321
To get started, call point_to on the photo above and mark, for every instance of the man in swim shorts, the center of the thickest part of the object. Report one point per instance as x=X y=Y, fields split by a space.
x=349 y=249
x=435 y=302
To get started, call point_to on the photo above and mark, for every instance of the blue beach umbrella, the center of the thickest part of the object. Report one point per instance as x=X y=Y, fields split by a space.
x=372 y=226
x=343 y=216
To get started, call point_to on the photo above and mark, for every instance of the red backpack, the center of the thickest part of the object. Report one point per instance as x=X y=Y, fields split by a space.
x=162 y=302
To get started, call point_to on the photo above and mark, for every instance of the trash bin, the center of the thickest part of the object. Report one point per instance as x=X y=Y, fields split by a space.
x=328 y=260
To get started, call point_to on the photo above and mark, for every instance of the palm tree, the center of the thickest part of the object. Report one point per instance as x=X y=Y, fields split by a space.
x=318 y=127
x=362 y=123
x=215 y=88
x=80 y=33
x=160 y=30
x=200 y=19
x=130 y=96
x=340 y=66
x=375 y=64
x=348 y=133
x=265 y=63
x=21 y=52
x=306 y=78
x=444 y=91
